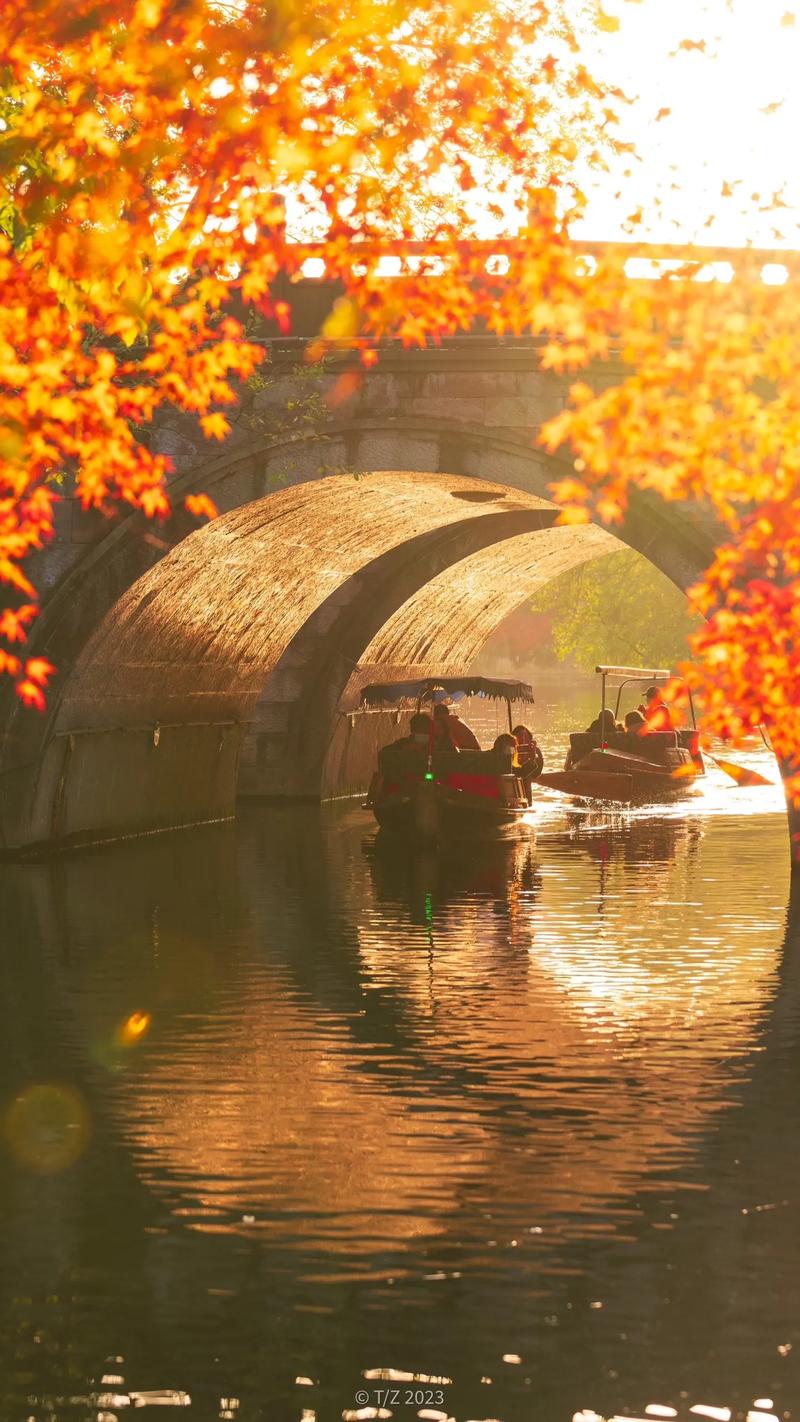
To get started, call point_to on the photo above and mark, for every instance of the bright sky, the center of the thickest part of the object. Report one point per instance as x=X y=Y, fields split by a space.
x=722 y=125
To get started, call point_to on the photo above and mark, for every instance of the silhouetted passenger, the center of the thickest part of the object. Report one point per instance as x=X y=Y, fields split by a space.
x=505 y=742
x=419 y=732
x=450 y=732
x=635 y=728
x=603 y=728
x=530 y=757
x=635 y=722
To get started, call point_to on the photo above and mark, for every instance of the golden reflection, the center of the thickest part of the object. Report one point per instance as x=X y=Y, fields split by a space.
x=378 y=1039
x=267 y=1114
x=614 y=995
x=46 y=1128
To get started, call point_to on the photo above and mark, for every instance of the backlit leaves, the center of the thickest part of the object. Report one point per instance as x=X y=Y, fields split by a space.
x=149 y=153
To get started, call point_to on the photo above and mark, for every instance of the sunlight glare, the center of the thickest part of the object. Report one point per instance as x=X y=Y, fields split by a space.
x=714 y=115
x=774 y=274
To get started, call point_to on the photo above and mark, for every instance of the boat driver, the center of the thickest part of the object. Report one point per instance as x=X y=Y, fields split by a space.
x=656 y=712
x=450 y=732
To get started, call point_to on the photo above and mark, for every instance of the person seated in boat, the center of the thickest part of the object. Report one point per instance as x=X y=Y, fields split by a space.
x=450 y=732
x=529 y=754
x=604 y=728
x=656 y=712
x=506 y=742
x=419 y=733
x=635 y=728
x=526 y=745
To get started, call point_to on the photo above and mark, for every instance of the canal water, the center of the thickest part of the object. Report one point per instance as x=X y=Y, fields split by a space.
x=295 y=1127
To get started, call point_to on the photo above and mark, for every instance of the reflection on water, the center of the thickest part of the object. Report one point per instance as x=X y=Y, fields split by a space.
x=344 y=1110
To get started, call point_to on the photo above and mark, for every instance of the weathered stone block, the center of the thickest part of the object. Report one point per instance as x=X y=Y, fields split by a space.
x=515 y=412
x=467 y=384
x=451 y=407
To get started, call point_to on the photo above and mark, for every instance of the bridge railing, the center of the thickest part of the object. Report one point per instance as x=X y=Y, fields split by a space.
x=497 y=258
x=308 y=284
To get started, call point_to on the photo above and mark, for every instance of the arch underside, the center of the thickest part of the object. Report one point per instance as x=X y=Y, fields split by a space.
x=259 y=629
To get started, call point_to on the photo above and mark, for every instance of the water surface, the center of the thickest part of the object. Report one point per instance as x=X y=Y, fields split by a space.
x=525 y=1120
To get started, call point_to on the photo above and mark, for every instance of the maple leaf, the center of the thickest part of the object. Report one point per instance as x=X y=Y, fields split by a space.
x=153 y=501
x=9 y=665
x=215 y=425
x=608 y=23
x=39 y=670
x=13 y=622
x=30 y=694
x=200 y=506
x=569 y=491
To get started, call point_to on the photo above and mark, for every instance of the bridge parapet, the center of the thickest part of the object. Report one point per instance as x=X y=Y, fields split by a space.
x=310 y=293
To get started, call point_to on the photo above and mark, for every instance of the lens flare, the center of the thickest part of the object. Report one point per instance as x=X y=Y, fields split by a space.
x=134 y=1028
x=46 y=1128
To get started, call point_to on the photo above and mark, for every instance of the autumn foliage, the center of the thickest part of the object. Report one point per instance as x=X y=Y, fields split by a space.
x=708 y=413
x=162 y=160
x=149 y=151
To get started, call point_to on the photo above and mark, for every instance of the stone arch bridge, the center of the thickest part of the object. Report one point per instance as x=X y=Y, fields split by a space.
x=390 y=540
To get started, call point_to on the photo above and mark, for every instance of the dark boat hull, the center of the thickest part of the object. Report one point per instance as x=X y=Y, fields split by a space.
x=593 y=785
x=432 y=812
x=618 y=775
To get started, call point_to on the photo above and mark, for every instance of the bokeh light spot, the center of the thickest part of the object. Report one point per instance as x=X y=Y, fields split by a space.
x=47 y=1127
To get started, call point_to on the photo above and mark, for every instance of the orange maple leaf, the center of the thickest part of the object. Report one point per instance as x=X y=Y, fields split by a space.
x=215 y=425
x=31 y=695
x=200 y=506
x=39 y=670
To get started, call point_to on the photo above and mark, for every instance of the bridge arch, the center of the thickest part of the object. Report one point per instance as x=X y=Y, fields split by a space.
x=285 y=604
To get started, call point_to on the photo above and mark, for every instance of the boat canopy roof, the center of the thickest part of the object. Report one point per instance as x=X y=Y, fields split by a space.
x=634 y=673
x=440 y=687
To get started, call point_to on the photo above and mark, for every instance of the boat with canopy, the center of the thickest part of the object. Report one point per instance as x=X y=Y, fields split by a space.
x=607 y=762
x=435 y=793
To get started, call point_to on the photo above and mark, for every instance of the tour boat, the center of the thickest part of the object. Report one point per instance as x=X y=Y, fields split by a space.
x=627 y=766
x=437 y=795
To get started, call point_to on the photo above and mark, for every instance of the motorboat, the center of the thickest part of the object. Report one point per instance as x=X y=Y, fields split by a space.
x=607 y=763
x=443 y=794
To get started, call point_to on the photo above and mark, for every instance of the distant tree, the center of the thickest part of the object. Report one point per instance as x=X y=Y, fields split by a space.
x=619 y=610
